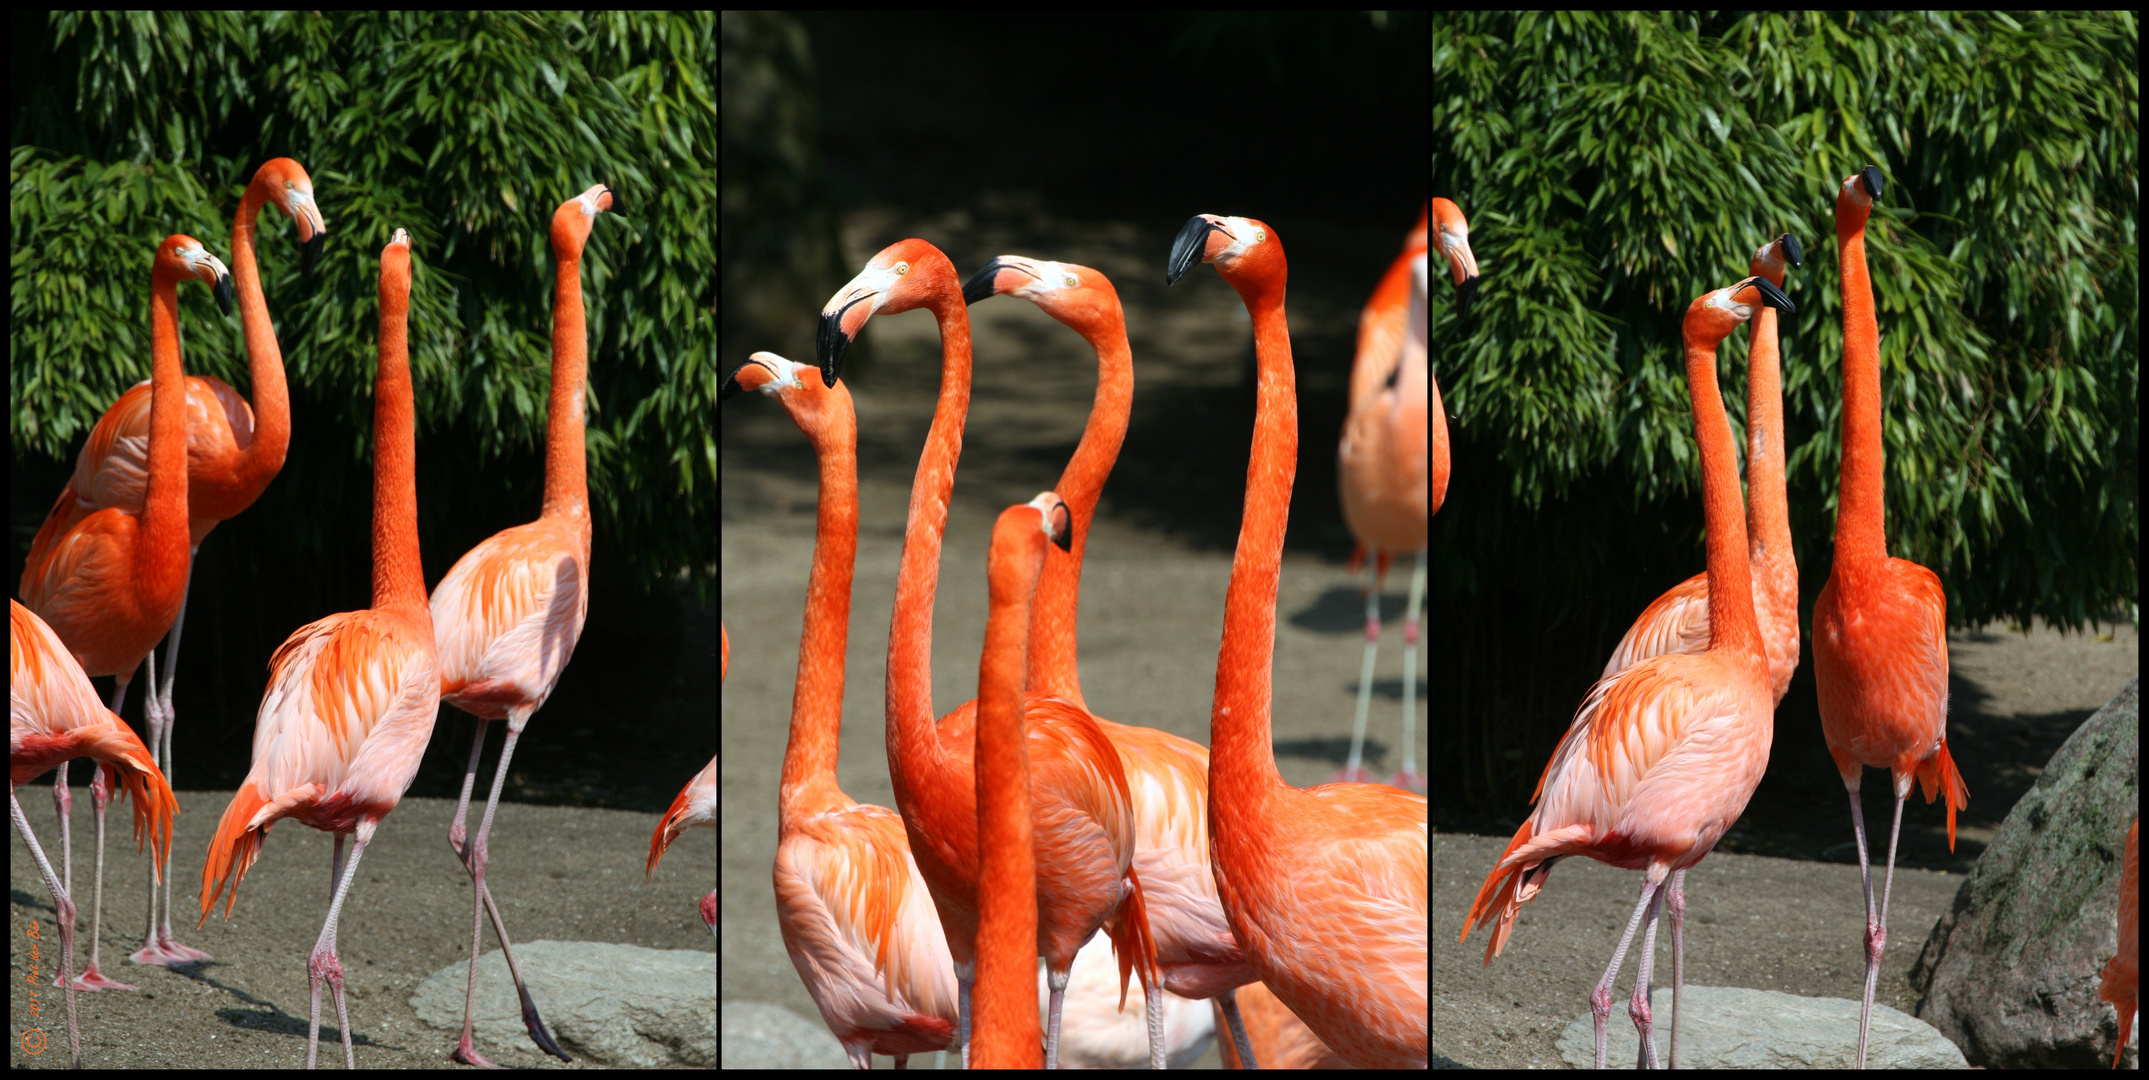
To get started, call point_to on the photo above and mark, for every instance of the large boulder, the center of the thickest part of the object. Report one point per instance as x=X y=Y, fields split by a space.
x=2010 y=974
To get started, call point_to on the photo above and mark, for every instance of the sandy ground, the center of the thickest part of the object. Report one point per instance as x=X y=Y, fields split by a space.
x=1159 y=557
x=559 y=873
x=1763 y=922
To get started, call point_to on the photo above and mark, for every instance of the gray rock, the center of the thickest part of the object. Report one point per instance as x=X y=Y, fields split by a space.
x=1724 y=1027
x=2010 y=974
x=669 y=1019
x=758 y=1035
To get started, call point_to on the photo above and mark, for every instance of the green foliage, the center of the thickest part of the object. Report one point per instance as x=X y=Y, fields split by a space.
x=468 y=130
x=1615 y=166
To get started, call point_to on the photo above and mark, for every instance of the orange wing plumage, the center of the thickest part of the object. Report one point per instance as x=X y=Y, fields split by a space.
x=508 y=614
x=695 y=805
x=346 y=718
x=55 y=716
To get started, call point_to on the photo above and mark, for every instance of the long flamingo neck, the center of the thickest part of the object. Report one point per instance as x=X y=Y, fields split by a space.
x=1053 y=657
x=398 y=577
x=164 y=511
x=1241 y=757
x=1004 y=1003
x=1731 y=602
x=1861 y=524
x=910 y=733
x=264 y=457
x=1768 y=514
x=566 y=482
x=809 y=762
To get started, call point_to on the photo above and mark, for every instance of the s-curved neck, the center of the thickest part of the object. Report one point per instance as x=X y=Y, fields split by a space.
x=264 y=457
x=1053 y=654
x=809 y=763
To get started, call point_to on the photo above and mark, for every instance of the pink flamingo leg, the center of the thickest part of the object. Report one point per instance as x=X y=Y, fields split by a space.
x=1645 y=1055
x=92 y=979
x=1408 y=777
x=63 y=914
x=482 y=904
x=1876 y=928
x=1229 y=1002
x=1600 y=997
x=1353 y=770
x=323 y=964
x=158 y=945
x=1676 y=907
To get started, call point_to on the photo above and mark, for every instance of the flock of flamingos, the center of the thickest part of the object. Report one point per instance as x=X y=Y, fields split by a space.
x=352 y=697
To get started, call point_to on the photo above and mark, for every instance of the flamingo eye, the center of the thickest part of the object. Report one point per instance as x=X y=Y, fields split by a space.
x=1260 y=235
x=902 y=268
x=1070 y=281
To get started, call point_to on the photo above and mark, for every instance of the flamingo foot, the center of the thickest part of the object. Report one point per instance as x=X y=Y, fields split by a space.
x=1410 y=780
x=466 y=1054
x=536 y=1026
x=167 y=953
x=93 y=981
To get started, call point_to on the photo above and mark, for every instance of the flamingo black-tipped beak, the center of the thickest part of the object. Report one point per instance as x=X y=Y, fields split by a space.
x=1792 y=253
x=981 y=284
x=309 y=252
x=1061 y=521
x=616 y=205
x=1188 y=247
x=731 y=388
x=1464 y=293
x=222 y=289
x=1871 y=178
x=1772 y=296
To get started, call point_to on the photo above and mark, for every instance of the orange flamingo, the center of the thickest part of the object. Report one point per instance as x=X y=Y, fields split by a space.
x=1661 y=757
x=110 y=584
x=509 y=612
x=1324 y=887
x=54 y=716
x=1007 y=934
x=1453 y=238
x=856 y=916
x=1880 y=646
x=694 y=805
x=2121 y=980
x=230 y=461
x=351 y=697
x=1381 y=474
x=1080 y=798
x=1168 y=776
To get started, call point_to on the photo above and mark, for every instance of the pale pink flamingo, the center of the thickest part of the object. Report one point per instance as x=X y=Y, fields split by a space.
x=1008 y=1029
x=855 y=915
x=2120 y=982
x=1085 y=815
x=232 y=454
x=1678 y=621
x=1168 y=776
x=509 y=612
x=54 y=716
x=1097 y=1031
x=351 y=697
x=1880 y=644
x=110 y=582
x=1662 y=756
x=1381 y=475
x=1324 y=887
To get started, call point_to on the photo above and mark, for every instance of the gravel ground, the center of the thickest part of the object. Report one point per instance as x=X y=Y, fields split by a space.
x=559 y=873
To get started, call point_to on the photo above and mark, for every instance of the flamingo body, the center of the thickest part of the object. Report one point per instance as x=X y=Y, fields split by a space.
x=55 y=716
x=508 y=615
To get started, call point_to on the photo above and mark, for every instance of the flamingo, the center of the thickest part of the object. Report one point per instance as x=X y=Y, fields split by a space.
x=1880 y=646
x=54 y=716
x=1324 y=887
x=694 y=805
x=1008 y=1031
x=1080 y=799
x=855 y=915
x=1168 y=776
x=110 y=582
x=230 y=461
x=1661 y=757
x=1381 y=472
x=2120 y=983
x=1454 y=240
x=509 y=612
x=1678 y=621
x=351 y=697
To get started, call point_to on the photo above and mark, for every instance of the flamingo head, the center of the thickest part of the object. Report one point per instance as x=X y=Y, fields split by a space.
x=181 y=257
x=571 y=223
x=1452 y=238
x=1245 y=252
x=1854 y=201
x=1771 y=259
x=906 y=274
x=1074 y=294
x=395 y=273
x=1713 y=315
x=1058 y=521
x=822 y=411
x=283 y=184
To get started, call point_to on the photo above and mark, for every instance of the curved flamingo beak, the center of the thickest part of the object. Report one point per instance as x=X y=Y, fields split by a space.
x=1792 y=253
x=833 y=338
x=1191 y=246
x=1771 y=296
x=761 y=371
x=1870 y=177
x=986 y=282
x=1058 y=520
